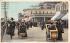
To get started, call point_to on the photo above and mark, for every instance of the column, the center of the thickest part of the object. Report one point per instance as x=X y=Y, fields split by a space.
x=44 y=19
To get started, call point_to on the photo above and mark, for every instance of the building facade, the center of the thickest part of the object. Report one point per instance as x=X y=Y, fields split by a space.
x=39 y=14
x=46 y=11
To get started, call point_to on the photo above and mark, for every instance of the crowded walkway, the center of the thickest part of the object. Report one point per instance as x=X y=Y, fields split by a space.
x=34 y=34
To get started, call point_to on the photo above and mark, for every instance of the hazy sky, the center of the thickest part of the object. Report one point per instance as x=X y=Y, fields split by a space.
x=16 y=7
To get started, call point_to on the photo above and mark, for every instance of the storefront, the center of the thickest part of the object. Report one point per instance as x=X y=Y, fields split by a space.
x=41 y=18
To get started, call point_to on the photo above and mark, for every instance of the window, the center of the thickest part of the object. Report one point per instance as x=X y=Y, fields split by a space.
x=39 y=12
x=49 y=7
x=43 y=12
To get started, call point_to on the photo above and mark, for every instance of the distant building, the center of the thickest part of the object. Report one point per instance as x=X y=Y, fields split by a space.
x=58 y=6
x=46 y=11
x=20 y=16
x=40 y=14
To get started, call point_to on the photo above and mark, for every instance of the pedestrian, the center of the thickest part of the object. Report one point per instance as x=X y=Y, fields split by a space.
x=35 y=24
x=23 y=29
x=11 y=28
x=42 y=25
x=59 y=25
x=27 y=25
x=31 y=24
x=3 y=27
x=8 y=27
x=17 y=26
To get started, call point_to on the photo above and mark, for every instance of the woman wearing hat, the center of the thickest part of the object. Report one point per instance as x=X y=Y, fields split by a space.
x=12 y=27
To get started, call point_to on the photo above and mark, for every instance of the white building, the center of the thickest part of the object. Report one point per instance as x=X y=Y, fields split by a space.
x=46 y=11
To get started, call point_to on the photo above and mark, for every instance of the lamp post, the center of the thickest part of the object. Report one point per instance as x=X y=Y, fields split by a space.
x=4 y=7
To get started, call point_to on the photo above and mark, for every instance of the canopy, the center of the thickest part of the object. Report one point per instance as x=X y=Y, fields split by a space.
x=65 y=17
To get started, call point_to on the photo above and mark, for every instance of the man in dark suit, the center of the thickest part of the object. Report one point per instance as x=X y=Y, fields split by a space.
x=11 y=28
x=59 y=26
x=42 y=25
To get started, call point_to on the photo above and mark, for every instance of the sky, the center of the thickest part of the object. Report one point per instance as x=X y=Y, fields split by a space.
x=16 y=7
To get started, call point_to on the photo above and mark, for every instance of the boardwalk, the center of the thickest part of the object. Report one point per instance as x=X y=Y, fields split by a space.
x=35 y=34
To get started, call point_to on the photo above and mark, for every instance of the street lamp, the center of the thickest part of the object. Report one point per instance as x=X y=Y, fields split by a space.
x=4 y=7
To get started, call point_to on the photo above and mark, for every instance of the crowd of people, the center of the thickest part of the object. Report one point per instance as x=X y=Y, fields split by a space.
x=24 y=26
x=59 y=25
